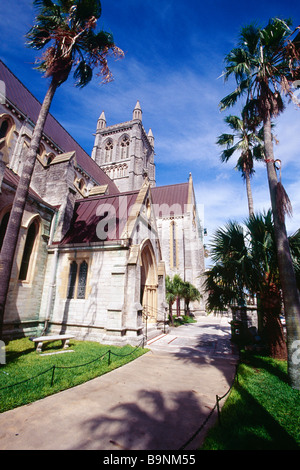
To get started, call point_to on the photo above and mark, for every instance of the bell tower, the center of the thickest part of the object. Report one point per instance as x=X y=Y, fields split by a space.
x=125 y=152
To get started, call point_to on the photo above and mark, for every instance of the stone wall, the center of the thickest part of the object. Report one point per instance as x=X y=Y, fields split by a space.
x=24 y=297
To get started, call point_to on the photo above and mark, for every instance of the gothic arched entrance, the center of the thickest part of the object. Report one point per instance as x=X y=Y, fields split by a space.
x=149 y=282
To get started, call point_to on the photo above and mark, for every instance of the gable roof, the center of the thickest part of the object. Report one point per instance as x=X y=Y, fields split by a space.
x=86 y=226
x=28 y=105
x=171 y=199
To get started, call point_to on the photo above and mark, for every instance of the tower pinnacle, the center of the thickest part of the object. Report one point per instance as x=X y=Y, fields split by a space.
x=151 y=137
x=101 y=121
x=137 y=112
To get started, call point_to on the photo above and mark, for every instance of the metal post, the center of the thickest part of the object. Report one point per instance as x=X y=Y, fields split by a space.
x=218 y=408
x=52 y=379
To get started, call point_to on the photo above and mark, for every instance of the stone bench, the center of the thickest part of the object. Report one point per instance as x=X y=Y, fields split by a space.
x=44 y=339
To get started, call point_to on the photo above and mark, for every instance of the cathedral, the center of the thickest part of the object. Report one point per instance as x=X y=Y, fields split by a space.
x=98 y=237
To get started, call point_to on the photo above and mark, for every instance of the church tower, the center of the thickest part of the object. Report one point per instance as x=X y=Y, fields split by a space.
x=125 y=151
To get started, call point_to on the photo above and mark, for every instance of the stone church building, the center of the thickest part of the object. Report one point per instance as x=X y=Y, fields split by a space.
x=98 y=237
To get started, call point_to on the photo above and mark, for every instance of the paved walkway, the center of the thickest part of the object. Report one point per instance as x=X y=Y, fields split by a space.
x=156 y=402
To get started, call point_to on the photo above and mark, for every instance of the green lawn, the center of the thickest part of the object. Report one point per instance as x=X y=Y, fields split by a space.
x=262 y=411
x=89 y=360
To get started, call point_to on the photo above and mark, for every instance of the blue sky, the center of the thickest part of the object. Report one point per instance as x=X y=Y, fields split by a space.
x=174 y=59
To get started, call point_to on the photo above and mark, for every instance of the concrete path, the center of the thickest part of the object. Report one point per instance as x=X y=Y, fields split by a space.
x=156 y=402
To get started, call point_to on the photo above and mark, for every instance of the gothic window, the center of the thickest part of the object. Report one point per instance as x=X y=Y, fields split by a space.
x=173 y=246
x=4 y=128
x=77 y=280
x=41 y=151
x=81 y=184
x=72 y=280
x=3 y=227
x=82 y=280
x=49 y=158
x=108 y=152
x=27 y=258
x=125 y=148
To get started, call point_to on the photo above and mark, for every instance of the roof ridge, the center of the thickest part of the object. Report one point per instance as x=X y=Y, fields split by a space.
x=39 y=102
x=107 y=196
x=62 y=138
x=169 y=185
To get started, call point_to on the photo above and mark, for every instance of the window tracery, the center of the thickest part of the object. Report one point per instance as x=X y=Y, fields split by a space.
x=29 y=248
x=77 y=280
x=108 y=152
x=125 y=148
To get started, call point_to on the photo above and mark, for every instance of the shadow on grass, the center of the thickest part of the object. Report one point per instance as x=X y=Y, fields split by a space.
x=13 y=355
x=247 y=425
x=266 y=363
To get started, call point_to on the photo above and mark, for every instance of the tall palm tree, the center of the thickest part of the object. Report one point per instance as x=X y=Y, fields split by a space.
x=246 y=263
x=247 y=141
x=265 y=64
x=67 y=31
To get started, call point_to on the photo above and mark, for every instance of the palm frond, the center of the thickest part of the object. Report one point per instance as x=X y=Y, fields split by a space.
x=225 y=139
x=83 y=74
x=67 y=31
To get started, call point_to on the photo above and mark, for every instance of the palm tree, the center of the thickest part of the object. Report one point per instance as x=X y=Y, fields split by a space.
x=178 y=284
x=177 y=289
x=246 y=263
x=171 y=296
x=190 y=294
x=67 y=29
x=246 y=141
x=265 y=64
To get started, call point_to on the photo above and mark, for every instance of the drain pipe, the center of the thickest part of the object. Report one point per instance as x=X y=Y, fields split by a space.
x=52 y=283
x=52 y=286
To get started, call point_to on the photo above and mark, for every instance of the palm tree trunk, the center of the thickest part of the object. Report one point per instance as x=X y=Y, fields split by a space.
x=12 y=233
x=291 y=298
x=249 y=194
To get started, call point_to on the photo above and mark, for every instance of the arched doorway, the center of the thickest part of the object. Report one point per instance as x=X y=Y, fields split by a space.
x=149 y=282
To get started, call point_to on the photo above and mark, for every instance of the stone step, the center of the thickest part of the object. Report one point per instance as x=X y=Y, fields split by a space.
x=152 y=333
x=155 y=338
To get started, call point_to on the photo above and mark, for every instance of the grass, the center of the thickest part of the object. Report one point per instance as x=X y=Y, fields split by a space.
x=181 y=320
x=89 y=360
x=262 y=411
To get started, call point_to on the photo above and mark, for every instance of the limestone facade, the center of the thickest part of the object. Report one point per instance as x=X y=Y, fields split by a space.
x=97 y=236
x=125 y=152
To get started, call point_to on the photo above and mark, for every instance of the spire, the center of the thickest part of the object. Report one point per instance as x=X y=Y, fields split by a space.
x=191 y=189
x=137 y=112
x=151 y=137
x=101 y=121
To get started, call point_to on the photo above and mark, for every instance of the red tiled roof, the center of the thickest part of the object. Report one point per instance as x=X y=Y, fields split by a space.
x=106 y=213
x=23 y=99
x=170 y=200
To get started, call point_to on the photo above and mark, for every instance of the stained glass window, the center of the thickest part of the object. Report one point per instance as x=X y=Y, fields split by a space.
x=28 y=249
x=72 y=280
x=82 y=280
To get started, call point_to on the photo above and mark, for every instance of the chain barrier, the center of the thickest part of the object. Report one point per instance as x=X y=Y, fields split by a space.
x=216 y=406
x=55 y=367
